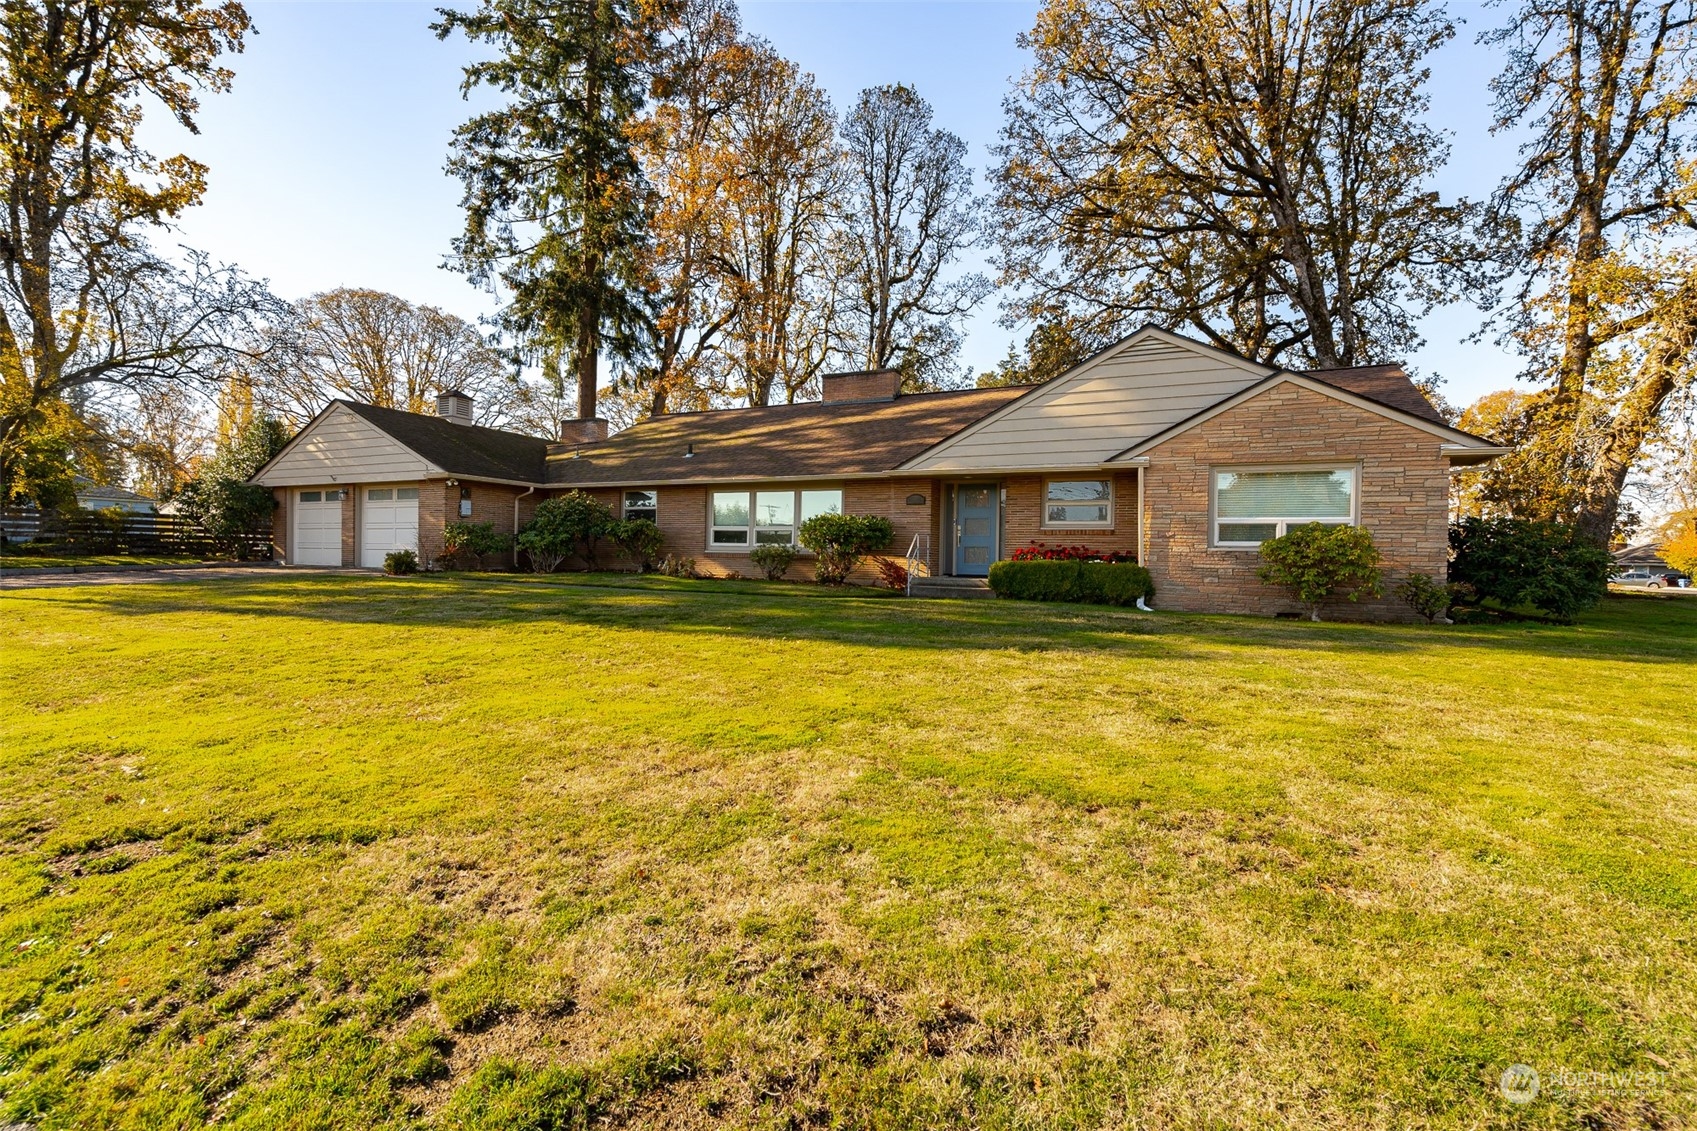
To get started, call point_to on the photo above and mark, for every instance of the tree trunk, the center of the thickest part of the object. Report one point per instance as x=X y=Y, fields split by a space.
x=1633 y=423
x=587 y=359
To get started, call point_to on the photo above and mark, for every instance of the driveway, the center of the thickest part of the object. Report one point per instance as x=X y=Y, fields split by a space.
x=23 y=579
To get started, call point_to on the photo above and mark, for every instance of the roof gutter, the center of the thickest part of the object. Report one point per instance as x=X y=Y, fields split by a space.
x=1463 y=457
x=858 y=476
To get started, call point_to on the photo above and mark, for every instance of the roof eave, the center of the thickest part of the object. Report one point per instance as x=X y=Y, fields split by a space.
x=1463 y=457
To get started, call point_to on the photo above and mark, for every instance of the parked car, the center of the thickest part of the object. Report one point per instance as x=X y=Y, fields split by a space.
x=1645 y=578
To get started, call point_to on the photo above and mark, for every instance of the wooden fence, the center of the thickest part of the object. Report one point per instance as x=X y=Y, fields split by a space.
x=80 y=533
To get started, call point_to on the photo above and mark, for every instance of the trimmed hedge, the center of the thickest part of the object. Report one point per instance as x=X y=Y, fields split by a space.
x=1094 y=583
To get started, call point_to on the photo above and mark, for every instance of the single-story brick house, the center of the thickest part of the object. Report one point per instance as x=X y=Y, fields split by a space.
x=1182 y=454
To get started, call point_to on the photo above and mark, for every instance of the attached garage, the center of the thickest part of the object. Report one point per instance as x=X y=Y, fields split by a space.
x=318 y=528
x=397 y=478
x=388 y=521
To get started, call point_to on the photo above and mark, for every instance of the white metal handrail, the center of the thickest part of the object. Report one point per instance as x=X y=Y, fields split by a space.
x=917 y=556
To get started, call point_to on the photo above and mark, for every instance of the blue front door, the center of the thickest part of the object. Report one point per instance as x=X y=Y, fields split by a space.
x=976 y=510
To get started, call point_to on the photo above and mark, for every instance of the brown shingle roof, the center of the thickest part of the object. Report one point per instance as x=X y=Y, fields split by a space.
x=1387 y=384
x=461 y=449
x=778 y=442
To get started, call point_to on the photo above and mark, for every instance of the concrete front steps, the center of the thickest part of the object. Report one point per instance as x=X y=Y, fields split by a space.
x=951 y=587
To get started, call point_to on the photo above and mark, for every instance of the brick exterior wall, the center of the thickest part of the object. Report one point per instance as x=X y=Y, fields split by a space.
x=871 y=385
x=282 y=526
x=350 y=527
x=1022 y=516
x=439 y=504
x=683 y=525
x=1403 y=484
x=888 y=497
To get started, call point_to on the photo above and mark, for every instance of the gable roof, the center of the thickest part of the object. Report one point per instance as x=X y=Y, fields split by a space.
x=470 y=450
x=1433 y=424
x=1133 y=388
x=439 y=447
x=797 y=441
x=1385 y=384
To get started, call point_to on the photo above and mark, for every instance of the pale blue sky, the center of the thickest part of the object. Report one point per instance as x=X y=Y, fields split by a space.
x=326 y=159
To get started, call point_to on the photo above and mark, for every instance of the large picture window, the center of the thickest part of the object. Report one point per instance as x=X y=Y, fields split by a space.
x=1252 y=506
x=741 y=520
x=1078 y=502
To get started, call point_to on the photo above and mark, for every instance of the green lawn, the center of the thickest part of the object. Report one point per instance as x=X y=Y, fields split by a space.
x=316 y=852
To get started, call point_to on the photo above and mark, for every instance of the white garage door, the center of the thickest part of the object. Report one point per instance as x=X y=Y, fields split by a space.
x=318 y=528
x=388 y=521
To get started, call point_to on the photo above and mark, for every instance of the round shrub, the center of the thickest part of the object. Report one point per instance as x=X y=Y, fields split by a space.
x=773 y=558
x=841 y=541
x=1319 y=563
x=398 y=562
x=567 y=524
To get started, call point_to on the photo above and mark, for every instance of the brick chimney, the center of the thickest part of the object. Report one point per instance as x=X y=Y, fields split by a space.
x=866 y=385
x=453 y=405
x=591 y=431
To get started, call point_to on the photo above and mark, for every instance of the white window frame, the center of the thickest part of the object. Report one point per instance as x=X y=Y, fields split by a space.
x=1281 y=525
x=753 y=528
x=1044 y=502
x=624 y=502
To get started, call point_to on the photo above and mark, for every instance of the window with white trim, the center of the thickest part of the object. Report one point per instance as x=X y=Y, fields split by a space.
x=1078 y=502
x=1252 y=506
x=741 y=520
x=642 y=504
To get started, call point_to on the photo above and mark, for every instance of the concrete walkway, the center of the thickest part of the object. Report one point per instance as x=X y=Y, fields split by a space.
x=133 y=575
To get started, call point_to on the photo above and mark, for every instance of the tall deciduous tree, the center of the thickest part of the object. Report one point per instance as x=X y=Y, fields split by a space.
x=84 y=304
x=783 y=189
x=554 y=195
x=696 y=87
x=1607 y=309
x=164 y=438
x=1255 y=170
x=376 y=347
x=908 y=215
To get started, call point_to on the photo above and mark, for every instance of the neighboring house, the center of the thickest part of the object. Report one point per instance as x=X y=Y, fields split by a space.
x=93 y=497
x=1184 y=455
x=1645 y=555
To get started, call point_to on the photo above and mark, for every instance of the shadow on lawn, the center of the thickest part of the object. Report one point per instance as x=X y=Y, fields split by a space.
x=1627 y=629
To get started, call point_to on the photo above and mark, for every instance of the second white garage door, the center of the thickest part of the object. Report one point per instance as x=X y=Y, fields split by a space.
x=388 y=521
x=318 y=528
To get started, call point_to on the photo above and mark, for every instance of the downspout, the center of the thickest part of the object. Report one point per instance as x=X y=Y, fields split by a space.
x=516 y=499
x=1142 y=534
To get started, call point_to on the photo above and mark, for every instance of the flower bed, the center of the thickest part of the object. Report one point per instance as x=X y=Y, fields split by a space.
x=1043 y=552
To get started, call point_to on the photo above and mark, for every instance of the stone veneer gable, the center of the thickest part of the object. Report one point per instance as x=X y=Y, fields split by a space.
x=1404 y=485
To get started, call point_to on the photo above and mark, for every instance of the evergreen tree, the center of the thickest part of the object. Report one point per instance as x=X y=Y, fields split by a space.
x=554 y=198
